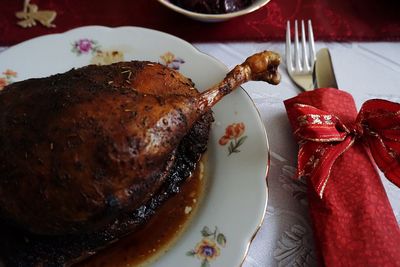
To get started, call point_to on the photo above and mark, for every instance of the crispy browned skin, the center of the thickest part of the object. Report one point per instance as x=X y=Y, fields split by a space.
x=20 y=248
x=80 y=147
x=76 y=148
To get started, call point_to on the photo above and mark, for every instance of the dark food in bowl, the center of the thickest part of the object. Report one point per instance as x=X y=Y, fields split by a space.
x=213 y=6
x=82 y=152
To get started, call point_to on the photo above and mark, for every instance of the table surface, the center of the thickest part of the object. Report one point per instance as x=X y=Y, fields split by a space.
x=366 y=70
x=354 y=20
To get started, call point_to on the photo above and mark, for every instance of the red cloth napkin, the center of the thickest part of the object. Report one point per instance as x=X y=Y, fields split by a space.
x=339 y=20
x=353 y=221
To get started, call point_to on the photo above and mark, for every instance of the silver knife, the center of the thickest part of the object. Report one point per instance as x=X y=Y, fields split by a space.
x=324 y=75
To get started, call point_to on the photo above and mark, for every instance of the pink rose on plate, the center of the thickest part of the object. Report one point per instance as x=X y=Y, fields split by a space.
x=84 y=45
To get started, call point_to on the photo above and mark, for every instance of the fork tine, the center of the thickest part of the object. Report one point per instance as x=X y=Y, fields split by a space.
x=306 y=66
x=311 y=44
x=300 y=64
x=296 y=48
x=289 y=63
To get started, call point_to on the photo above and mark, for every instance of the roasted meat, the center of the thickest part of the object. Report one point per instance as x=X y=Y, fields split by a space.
x=24 y=249
x=80 y=148
x=77 y=148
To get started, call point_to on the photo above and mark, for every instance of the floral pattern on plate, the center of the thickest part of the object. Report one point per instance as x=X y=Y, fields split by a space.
x=7 y=77
x=209 y=248
x=100 y=56
x=171 y=61
x=234 y=136
x=107 y=57
x=85 y=46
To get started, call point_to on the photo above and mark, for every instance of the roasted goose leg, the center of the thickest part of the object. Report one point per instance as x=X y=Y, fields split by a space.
x=79 y=148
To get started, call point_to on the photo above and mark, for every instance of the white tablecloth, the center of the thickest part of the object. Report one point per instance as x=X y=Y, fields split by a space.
x=366 y=70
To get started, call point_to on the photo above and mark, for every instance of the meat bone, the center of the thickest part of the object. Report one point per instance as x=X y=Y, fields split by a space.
x=258 y=67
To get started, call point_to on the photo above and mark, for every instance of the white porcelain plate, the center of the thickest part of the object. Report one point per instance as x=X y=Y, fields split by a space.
x=237 y=163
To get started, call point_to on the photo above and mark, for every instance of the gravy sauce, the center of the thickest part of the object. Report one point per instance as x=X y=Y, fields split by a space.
x=154 y=238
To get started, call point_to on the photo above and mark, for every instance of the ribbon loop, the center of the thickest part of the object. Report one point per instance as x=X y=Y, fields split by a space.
x=323 y=138
x=317 y=125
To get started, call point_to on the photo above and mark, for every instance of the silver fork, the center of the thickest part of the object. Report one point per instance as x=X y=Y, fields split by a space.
x=300 y=68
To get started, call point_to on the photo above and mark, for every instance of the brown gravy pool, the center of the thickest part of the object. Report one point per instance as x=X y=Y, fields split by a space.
x=154 y=238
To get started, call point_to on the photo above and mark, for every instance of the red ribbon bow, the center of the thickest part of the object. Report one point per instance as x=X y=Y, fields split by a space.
x=323 y=138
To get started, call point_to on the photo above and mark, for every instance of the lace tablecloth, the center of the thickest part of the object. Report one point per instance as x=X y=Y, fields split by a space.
x=366 y=70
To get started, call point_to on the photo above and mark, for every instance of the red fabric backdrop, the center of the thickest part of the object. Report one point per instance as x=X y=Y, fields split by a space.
x=333 y=20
